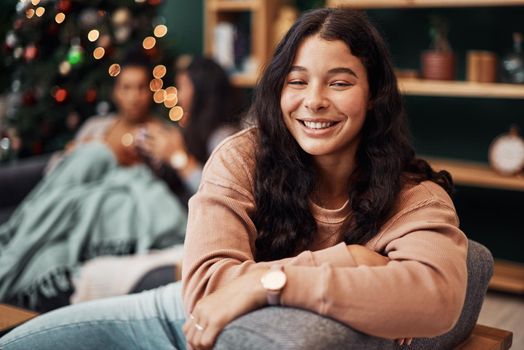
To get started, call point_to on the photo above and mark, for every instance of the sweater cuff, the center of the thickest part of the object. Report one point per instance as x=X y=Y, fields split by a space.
x=304 y=288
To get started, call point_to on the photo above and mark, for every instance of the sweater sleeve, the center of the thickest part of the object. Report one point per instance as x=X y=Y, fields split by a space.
x=419 y=293
x=220 y=236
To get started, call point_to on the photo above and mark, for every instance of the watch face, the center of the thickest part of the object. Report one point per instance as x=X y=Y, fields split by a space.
x=506 y=154
x=274 y=280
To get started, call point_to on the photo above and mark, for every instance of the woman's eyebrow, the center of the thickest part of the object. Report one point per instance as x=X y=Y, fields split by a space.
x=332 y=71
x=345 y=70
x=297 y=69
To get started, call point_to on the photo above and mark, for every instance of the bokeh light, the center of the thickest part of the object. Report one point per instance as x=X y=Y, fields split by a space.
x=159 y=71
x=60 y=17
x=159 y=96
x=156 y=84
x=60 y=95
x=93 y=35
x=171 y=102
x=171 y=90
x=176 y=113
x=98 y=53
x=149 y=42
x=160 y=31
x=40 y=11
x=114 y=69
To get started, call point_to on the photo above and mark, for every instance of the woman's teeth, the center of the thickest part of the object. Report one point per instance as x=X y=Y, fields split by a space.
x=318 y=125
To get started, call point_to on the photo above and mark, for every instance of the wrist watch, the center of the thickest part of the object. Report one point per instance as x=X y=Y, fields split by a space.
x=273 y=281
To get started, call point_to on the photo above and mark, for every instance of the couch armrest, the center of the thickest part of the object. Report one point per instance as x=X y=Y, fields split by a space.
x=273 y=328
x=18 y=179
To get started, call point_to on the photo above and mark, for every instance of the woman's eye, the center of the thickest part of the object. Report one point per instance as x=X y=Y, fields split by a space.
x=340 y=84
x=297 y=82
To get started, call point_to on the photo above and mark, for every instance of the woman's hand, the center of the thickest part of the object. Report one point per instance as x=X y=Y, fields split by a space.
x=366 y=256
x=213 y=312
x=159 y=142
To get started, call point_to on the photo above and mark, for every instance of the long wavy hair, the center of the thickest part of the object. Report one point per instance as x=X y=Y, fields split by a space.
x=212 y=105
x=285 y=176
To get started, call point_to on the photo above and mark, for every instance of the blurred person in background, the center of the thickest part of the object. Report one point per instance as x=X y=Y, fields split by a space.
x=103 y=196
x=209 y=103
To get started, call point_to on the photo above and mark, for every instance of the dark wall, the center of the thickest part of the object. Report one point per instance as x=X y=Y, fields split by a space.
x=463 y=128
x=185 y=19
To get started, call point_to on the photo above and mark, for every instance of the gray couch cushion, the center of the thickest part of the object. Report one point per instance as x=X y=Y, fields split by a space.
x=283 y=328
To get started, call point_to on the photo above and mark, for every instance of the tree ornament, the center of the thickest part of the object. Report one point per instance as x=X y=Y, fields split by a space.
x=15 y=85
x=89 y=18
x=30 y=52
x=122 y=34
x=64 y=68
x=18 y=24
x=11 y=39
x=121 y=17
x=91 y=95
x=72 y=120
x=75 y=55
x=18 y=52
x=28 y=98
x=63 y=6
x=53 y=28
x=60 y=95
x=104 y=41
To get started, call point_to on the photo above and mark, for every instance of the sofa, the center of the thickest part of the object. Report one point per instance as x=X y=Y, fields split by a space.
x=282 y=328
x=17 y=179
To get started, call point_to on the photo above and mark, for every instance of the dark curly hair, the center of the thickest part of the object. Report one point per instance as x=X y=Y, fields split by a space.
x=213 y=104
x=285 y=176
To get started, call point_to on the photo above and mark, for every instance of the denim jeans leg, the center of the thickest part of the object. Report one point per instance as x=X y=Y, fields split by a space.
x=149 y=320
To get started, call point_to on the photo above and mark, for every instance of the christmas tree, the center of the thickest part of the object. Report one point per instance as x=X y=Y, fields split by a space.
x=62 y=56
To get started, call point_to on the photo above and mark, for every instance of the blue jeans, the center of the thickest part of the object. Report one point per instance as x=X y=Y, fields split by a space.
x=149 y=320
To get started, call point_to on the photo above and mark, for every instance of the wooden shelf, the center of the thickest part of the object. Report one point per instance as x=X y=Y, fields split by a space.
x=476 y=174
x=508 y=276
x=419 y=87
x=262 y=17
x=233 y=5
x=421 y=3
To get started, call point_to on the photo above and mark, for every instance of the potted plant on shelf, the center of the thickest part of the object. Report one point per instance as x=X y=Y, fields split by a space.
x=439 y=61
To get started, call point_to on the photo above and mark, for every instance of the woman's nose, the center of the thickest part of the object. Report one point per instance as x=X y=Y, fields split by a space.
x=316 y=99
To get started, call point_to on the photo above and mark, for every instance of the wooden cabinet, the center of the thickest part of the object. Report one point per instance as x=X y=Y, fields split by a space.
x=508 y=276
x=261 y=13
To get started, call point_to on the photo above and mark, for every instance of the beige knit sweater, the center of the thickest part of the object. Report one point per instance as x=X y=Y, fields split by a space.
x=419 y=293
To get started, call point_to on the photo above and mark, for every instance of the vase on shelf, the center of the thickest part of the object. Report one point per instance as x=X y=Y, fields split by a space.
x=513 y=63
x=438 y=62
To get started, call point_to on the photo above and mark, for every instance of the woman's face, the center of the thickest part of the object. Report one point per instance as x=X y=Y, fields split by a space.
x=325 y=98
x=131 y=93
x=185 y=91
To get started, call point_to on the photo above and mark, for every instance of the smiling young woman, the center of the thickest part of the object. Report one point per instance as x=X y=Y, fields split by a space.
x=322 y=206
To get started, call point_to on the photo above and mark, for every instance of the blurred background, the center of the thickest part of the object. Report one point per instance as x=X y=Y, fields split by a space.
x=460 y=66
